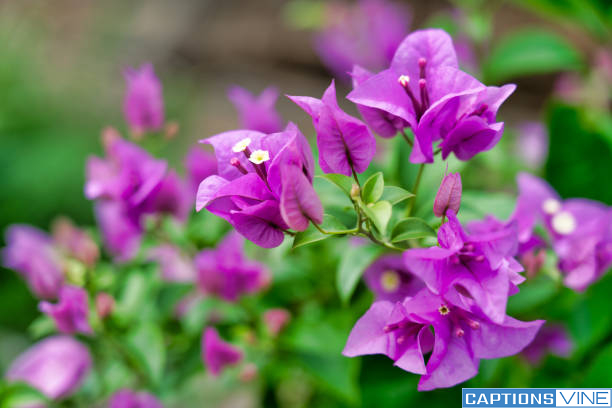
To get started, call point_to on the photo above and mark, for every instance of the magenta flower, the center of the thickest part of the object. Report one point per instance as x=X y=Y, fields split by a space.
x=424 y=87
x=460 y=338
x=345 y=144
x=264 y=186
x=449 y=195
x=200 y=164
x=175 y=267
x=31 y=253
x=127 y=398
x=56 y=366
x=172 y=196
x=75 y=242
x=380 y=121
x=390 y=280
x=367 y=34
x=256 y=113
x=226 y=272
x=143 y=105
x=580 y=230
x=128 y=173
x=470 y=270
x=218 y=354
x=552 y=339
x=276 y=320
x=71 y=312
x=121 y=231
x=532 y=144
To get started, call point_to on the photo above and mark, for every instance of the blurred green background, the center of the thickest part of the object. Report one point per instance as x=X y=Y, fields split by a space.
x=61 y=82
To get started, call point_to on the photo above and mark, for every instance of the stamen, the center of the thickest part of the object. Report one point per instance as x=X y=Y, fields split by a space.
x=401 y=339
x=422 y=65
x=459 y=332
x=469 y=247
x=259 y=156
x=404 y=81
x=424 y=93
x=242 y=145
x=551 y=206
x=473 y=324
x=479 y=258
x=236 y=163
x=564 y=223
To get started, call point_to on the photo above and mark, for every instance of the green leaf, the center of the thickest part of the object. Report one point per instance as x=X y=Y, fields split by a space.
x=373 y=188
x=411 y=228
x=341 y=181
x=380 y=214
x=21 y=395
x=528 y=52
x=395 y=195
x=330 y=224
x=146 y=345
x=354 y=262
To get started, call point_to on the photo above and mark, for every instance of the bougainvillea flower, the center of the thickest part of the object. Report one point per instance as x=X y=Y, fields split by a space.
x=580 y=230
x=226 y=272
x=56 y=366
x=121 y=231
x=345 y=143
x=475 y=270
x=143 y=105
x=276 y=320
x=449 y=195
x=218 y=354
x=366 y=33
x=460 y=338
x=75 y=242
x=128 y=173
x=424 y=87
x=200 y=164
x=256 y=113
x=171 y=197
x=389 y=279
x=532 y=143
x=264 y=185
x=71 y=312
x=175 y=267
x=31 y=253
x=551 y=339
x=380 y=121
x=126 y=398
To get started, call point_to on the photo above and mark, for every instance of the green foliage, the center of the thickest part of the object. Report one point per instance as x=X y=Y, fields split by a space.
x=354 y=262
x=530 y=52
x=411 y=228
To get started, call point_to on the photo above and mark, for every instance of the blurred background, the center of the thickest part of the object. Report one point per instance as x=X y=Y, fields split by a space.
x=61 y=83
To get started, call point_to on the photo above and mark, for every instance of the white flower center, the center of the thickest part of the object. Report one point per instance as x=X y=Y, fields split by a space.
x=241 y=145
x=444 y=310
x=389 y=281
x=259 y=156
x=403 y=80
x=564 y=223
x=551 y=206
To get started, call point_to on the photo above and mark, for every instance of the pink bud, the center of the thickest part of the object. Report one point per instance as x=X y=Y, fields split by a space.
x=449 y=195
x=248 y=373
x=276 y=320
x=105 y=304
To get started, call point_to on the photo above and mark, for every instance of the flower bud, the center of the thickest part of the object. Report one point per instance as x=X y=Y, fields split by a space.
x=355 y=191
x=449 y=195
x=276 y=319
x=105 y=304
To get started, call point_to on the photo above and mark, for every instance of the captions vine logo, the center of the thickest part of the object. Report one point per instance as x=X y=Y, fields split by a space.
x=536 y=397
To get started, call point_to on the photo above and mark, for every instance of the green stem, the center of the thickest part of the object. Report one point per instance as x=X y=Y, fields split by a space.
x=406 y=138
x=415 y=189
